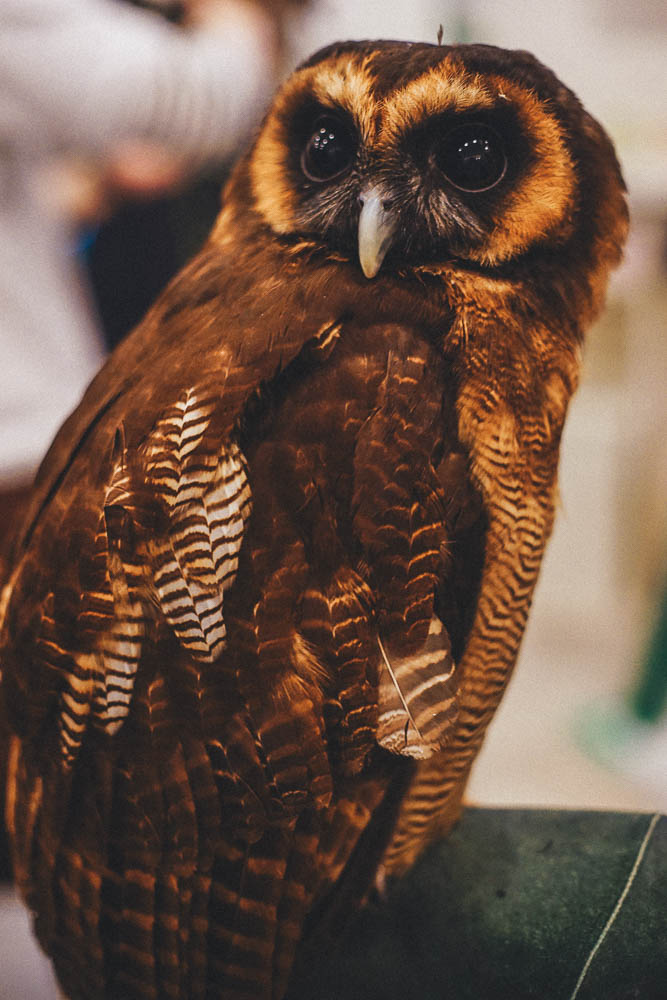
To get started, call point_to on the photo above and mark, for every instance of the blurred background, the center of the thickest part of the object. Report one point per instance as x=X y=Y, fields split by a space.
x=584 y=723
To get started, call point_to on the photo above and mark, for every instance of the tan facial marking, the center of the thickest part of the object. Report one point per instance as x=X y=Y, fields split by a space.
x=445 y=87
x=349 y=84
x=345 y=84
x=542 y=204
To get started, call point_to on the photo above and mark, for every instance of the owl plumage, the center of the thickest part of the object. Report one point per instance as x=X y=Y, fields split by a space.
x=277 y=565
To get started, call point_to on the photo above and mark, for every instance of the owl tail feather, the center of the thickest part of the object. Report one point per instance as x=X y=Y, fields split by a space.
x=417 y=697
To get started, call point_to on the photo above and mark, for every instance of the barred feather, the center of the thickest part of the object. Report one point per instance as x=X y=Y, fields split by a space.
x=417 y=700
x=208 y=503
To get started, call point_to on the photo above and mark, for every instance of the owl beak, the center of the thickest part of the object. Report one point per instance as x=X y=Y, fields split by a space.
x=376 y=229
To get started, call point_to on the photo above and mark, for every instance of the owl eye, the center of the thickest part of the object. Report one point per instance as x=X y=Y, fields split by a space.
x=472 y=157
x=329 y=151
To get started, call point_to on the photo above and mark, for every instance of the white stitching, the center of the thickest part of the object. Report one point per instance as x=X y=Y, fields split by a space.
x=621 y=899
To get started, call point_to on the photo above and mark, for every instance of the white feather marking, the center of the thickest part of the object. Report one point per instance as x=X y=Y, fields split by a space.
x=397 y=686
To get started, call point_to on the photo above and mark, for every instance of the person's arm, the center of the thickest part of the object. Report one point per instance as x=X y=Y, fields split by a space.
x=89 y=75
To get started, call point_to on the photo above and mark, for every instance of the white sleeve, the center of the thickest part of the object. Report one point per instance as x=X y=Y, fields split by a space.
x=88 y=74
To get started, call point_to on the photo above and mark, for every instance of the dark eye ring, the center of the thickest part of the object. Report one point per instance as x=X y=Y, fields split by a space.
x=329 y=151
x=472 y=157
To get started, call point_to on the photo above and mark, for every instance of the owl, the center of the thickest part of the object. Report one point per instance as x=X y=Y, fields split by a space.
x=276 y=567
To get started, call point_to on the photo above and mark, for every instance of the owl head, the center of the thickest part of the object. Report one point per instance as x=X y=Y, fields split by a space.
x=403 y=158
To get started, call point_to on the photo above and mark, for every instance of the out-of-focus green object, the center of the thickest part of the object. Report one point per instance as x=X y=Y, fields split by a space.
x=649 y=699
x=514 y=904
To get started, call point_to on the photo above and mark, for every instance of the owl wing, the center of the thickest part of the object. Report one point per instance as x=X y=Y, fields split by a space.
x=141 y=502
x=135 y=536
x=155 y=860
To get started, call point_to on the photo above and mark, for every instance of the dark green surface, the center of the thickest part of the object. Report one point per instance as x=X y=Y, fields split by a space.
x=511 y=906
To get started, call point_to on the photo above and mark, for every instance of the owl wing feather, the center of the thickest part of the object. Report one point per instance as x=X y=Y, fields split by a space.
x=155 y=529
x=155 y=522
x=417 y=699
x=102 y=480
x=223 y=795
x=400 y=516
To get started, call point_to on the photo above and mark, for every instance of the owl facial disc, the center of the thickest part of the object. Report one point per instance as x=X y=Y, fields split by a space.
x=376 y=229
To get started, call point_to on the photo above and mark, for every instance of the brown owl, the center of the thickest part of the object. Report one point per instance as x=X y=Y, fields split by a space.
x=277 y=565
